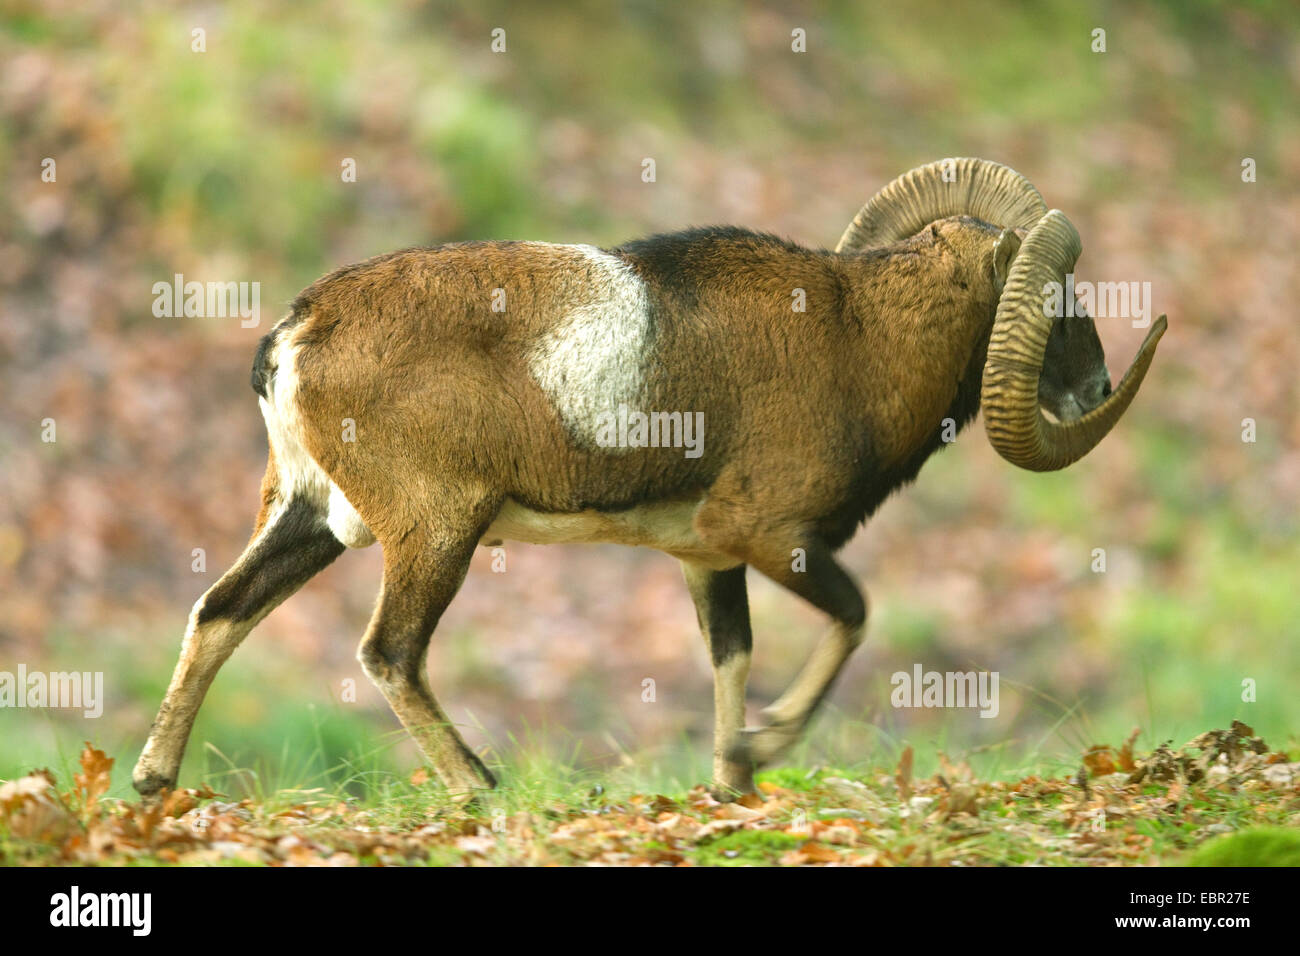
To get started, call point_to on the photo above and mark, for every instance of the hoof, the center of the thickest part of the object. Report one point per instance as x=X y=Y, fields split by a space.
x=760 y=746
x=725 y=793
x=151 y=785
x=469 y=790
x=469 y=798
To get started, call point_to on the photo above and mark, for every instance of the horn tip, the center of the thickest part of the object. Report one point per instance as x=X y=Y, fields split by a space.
x=1154 y=333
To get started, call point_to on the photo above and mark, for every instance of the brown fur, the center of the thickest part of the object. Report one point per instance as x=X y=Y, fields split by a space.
x=813 y=418
x=807 y=412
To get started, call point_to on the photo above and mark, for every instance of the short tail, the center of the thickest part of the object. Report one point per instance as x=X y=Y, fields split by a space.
x=263 y=367
x=264 y=361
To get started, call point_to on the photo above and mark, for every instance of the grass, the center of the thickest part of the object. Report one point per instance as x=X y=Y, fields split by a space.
x=1159 y=810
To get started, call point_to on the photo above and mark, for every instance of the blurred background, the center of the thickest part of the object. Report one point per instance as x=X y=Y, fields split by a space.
x=224 y=165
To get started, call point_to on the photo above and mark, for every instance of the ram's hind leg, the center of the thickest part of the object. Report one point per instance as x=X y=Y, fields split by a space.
x=291 y=544
x=423 y=570
x=722 y=606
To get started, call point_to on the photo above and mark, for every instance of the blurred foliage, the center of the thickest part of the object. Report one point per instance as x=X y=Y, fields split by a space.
x=226 y=165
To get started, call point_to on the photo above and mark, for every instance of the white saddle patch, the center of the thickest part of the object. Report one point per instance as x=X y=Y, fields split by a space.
x=594 y=359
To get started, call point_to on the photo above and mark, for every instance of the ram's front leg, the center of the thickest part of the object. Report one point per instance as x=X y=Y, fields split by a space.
x=722 y=606
x=826 y=586
x=726 y=522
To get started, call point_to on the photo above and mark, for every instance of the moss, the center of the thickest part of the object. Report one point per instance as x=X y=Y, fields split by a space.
x=748 y=848
x=1262 y=846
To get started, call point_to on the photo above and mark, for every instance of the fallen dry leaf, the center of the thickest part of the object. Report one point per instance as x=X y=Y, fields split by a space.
x=1100 y=760
x=903 y=775
x=94 y=779
x=1125 y=759
x=810 y=852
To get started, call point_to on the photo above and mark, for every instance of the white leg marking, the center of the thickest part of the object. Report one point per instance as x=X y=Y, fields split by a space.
x=345 y=523
x=299 y=475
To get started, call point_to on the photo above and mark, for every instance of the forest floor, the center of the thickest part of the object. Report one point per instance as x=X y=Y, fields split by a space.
x=1222 y=798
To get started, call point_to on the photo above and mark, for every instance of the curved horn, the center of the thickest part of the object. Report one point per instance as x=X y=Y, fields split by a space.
x=972 y=187
x=1015 y=425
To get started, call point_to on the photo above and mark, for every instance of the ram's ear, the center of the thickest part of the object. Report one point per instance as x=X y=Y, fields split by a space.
x=1004 y=253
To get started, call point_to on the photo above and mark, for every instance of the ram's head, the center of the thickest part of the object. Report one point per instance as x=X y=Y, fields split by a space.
x=1036 y=360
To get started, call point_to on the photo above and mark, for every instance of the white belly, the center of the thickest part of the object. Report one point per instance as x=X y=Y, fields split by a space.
x=666 y=526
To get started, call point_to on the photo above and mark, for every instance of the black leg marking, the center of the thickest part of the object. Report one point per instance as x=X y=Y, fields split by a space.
x=293 y=548
x=722 y=608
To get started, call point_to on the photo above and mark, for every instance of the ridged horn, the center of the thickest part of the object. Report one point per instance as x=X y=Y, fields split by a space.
x=949 y=187
x=1015 y=425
